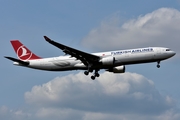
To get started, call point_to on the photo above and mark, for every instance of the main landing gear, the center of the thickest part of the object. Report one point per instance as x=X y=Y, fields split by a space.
x=158 y=64
x=96 y=74
x=86 y=72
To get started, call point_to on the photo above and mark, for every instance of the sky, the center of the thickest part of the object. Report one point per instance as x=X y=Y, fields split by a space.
x=143 y=92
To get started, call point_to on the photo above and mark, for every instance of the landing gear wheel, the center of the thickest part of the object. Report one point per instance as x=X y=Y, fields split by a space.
x=97 y=74
x=93 y=77
x=86 y=72
x=158 y=66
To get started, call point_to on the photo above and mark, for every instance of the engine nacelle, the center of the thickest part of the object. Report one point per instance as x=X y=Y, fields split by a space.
x=108 y=60
x=118 y=69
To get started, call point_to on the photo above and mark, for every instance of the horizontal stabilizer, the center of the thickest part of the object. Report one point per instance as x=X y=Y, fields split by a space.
x=17 y=60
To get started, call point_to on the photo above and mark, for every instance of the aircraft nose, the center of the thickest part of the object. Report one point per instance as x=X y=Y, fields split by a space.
x=173 y=53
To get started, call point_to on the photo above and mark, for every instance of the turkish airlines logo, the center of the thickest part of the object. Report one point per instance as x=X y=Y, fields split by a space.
x=23 y=53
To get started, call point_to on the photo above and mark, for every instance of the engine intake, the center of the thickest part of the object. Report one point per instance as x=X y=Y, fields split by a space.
x=118 y=69
x=108 y=60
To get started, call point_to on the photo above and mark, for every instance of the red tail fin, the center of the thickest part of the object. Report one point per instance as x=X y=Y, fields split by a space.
x=22 y=51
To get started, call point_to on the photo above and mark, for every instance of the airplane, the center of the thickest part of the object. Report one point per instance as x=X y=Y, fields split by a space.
x=112 y=61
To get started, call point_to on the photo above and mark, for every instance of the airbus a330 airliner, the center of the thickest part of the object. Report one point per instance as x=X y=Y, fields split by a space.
x=112 y=61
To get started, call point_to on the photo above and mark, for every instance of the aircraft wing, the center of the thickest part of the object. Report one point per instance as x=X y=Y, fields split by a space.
x=86 y=58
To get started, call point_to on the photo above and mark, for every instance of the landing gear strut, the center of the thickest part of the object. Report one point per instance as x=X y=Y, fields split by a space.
x=97 y=74
x=158 y=64
x=89 y=70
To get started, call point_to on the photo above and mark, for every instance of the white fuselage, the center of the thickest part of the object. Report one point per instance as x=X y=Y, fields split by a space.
x=122 y=57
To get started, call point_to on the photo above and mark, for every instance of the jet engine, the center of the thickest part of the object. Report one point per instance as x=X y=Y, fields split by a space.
x=118 y=69
x=108 y=60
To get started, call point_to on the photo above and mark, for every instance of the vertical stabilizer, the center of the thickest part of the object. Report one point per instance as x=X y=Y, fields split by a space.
x=22 y=51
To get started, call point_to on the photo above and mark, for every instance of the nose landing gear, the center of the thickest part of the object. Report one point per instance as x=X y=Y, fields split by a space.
x=158 y=64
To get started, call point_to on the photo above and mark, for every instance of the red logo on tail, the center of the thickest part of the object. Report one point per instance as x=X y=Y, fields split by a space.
x=23 y=53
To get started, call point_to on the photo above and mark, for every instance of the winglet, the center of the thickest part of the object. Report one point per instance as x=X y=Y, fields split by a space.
x=47 y=39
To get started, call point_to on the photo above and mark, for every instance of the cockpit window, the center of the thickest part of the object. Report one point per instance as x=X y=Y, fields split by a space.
x=168 y=49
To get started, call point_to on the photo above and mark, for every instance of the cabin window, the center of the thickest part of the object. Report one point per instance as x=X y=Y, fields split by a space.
x=168 y=49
